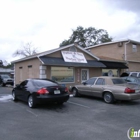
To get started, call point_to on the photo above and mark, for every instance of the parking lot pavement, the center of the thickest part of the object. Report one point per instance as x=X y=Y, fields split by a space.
x=79 y=118
x=5 y=90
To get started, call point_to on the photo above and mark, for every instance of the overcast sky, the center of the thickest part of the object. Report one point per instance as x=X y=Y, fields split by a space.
x=46 y=23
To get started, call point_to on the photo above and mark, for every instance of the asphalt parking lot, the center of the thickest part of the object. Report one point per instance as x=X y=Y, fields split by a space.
x=79 y=118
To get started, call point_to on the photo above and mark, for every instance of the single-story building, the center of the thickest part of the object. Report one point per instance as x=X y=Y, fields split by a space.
x=67 y=65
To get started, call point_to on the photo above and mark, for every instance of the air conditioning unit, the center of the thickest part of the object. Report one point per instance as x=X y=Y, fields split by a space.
x=110 y=73
x=120 y=44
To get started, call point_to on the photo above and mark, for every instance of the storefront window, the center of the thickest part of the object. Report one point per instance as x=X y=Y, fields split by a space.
x=62 y=74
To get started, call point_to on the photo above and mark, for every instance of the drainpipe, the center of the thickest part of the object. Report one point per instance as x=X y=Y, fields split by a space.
x=125 y=52
x=14 y=75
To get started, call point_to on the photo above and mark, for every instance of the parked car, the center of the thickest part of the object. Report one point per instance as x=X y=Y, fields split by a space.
x=132 y=80
x=36 y=91
x=5 y=79
x=108 y=88
x=133 y=74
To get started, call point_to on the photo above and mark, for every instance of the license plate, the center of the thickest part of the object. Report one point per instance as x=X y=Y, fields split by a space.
x=56 y=91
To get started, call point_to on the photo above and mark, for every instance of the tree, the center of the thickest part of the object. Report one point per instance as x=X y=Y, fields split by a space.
x=26 y=50
x=5 y=64
x=87 y=37
x=1 y=63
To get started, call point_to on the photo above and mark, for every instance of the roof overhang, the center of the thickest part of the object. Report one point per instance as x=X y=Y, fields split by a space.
x=54 y=61
x=62 y=48
x=53 y=51
x=114 y=65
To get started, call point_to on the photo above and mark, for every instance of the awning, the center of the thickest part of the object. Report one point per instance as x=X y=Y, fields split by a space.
x=60 y=62
x=114 y=65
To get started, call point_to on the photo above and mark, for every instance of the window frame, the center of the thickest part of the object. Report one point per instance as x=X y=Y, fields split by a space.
x=103 y=81
x=85 y=83
x=115 y=81
x=23 y=84
x=134 y=48
x=82 y=75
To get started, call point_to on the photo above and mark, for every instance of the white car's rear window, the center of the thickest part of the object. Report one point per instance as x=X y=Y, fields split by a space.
x=118 y=81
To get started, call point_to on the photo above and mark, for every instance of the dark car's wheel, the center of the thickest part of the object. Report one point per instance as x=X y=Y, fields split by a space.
x=75 y=92
x=14 y=96
x=0 y=84
x=3 y=84
x=31 y=102
x=108 y=97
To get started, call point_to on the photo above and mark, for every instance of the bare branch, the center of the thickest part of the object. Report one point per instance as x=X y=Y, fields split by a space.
x=26 y=50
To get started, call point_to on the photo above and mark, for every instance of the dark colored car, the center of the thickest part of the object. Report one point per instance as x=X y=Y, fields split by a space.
x=35 y=91
x=6 y=80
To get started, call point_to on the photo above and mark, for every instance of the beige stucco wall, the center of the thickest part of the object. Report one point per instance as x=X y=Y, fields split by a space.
x=25 y=70
x=111 y=51
x=133 y=66
x=118 y=53
x=133 y=56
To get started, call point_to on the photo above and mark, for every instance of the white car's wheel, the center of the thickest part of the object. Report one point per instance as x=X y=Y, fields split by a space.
x=75 y=92
x=108 y=97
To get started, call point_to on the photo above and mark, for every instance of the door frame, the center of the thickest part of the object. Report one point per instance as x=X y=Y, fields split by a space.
x=87 y=75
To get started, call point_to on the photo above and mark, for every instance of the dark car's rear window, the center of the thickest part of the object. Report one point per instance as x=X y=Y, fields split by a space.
x=118 y=81
x=44 y=83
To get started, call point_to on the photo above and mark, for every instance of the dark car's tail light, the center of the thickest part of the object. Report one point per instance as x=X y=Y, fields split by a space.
x=66 y=89
x=42 y=91
x=129 y=90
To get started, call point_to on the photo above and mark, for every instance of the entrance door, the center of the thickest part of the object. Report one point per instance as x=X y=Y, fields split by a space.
x=84 y=75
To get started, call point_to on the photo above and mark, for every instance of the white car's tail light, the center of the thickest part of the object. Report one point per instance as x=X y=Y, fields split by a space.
x=129 y=90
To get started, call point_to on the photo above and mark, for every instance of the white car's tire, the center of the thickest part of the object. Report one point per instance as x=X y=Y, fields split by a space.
x=108 y=97
x=75 y=92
